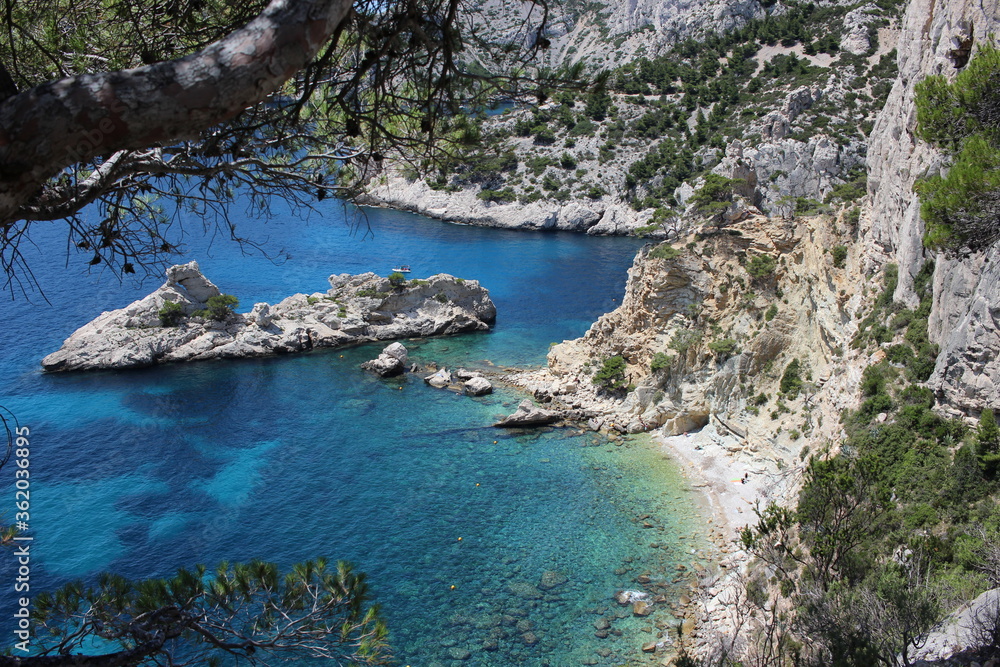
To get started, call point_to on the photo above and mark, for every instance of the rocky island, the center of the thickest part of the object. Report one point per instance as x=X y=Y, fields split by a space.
x=356 y=309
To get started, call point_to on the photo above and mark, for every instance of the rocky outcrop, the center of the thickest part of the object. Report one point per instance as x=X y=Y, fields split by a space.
x=356 y=309
x=778 y=168
x=528 y=415
x=477 y=386
x=583 y=31
x=966 y=377
x=672 y=306
x=857 y=26
x=391 y=362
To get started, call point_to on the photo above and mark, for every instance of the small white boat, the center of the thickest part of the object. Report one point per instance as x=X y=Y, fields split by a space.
x=405 y=268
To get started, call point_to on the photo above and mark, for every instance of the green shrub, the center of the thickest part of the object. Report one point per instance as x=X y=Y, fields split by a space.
x=505 y=196
x=761 y=266
x=170 y=314
x=567 y=161
x=791 y=379
x=664 y=251
x=660 y=361
x=611 y=375
x=544 y=136
x=771 y=312
x=441 y=297
x=715 y=195
x=397 y=279
x=839 y=253
x=684 y=340
x=220 y=307
x=723 y=348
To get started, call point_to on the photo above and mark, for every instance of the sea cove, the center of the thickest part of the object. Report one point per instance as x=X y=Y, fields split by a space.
x=145 y=471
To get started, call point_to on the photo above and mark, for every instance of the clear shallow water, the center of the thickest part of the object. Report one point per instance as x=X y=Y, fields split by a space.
x=291 y=458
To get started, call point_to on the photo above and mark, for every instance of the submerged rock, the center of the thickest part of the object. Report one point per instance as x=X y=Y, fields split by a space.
x=525 y=590
x=357 y=309
x=552 y=579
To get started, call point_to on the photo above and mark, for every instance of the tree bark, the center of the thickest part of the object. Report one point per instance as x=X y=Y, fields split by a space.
x=60 y=123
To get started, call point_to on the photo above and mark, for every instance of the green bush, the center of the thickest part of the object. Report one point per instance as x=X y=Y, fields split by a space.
x=505 y=196
x=684 y=340
x=170 y=314
x=715 y=195
x=660 y=361
x=791 y=379
x=220 y=307
x=567 y=161
x=611 y=375
x=724 y=348
x=771 y=312
x=664 y=251
x=761 y=266
x=839 y=253
x=397 y=279
x=544 y=136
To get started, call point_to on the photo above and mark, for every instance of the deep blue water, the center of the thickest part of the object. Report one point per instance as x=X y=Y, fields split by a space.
x=142 y=472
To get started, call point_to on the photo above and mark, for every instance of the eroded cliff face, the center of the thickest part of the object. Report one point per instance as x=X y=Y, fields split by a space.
x=964 y=320
x=585 y=30
x=720 y=337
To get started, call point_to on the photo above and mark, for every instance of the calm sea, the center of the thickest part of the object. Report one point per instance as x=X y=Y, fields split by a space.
x=285 y=459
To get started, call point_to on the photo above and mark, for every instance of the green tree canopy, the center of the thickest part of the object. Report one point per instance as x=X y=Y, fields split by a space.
x=127 y=108
x=249 y=611
x=961 y=208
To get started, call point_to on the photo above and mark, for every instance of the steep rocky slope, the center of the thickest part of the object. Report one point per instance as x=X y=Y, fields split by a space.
x=934 y=38
x=704 y=341
x=783 y=104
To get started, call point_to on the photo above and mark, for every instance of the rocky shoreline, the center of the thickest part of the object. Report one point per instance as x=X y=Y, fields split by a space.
x=596 y=218
x=356 y=309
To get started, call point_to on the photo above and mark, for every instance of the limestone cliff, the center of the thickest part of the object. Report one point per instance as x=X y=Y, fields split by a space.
x=933 y=39
x=704 y=340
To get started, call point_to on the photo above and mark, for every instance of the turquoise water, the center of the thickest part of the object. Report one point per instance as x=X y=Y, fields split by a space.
x=142 y=472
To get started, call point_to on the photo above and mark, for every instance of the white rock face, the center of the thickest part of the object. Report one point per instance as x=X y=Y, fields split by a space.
x=189 y=276
x=779 y=168
x=966 y=376
x=855 y=36
x=391 y=362
x=356 y=309
x=465 y=207
x=478 y=386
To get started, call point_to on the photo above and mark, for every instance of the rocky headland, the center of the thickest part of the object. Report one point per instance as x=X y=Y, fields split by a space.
x=356 y=309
